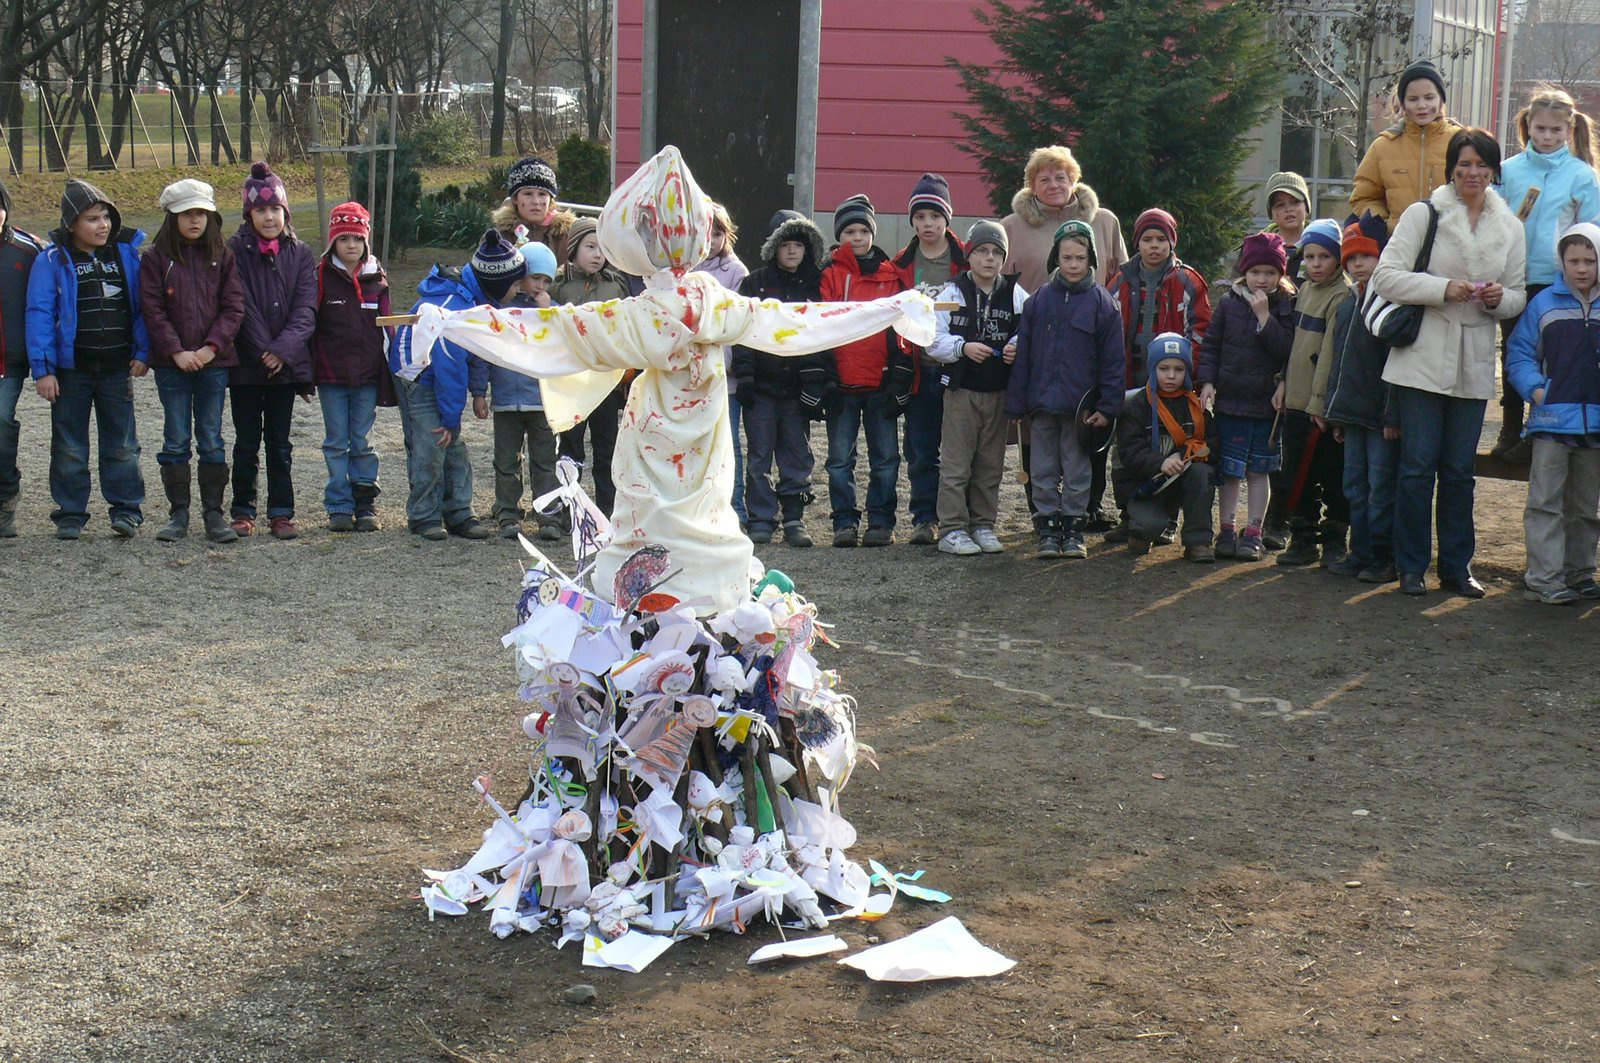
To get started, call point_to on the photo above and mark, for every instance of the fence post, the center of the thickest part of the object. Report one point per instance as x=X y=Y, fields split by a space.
x=172 y=125
x=388 y=193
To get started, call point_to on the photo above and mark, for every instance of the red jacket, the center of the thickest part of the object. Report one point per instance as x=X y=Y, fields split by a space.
x=862 y=364
x=906 y=260
x=1182 y=306
x=189 y=303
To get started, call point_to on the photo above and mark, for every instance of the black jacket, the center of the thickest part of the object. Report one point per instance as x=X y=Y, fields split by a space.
x=1357 y=394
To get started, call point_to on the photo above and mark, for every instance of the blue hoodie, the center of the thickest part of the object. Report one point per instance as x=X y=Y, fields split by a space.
x=450 y=366
x=52 y=314
x=1556 y=346
x=1568 y=192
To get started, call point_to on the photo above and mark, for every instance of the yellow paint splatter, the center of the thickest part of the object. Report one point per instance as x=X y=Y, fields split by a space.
x=784 y=334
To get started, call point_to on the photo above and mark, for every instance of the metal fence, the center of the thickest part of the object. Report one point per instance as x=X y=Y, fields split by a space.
x=68 y=126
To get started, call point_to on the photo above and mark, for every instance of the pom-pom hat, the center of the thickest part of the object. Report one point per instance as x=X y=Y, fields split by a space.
x=263 y=188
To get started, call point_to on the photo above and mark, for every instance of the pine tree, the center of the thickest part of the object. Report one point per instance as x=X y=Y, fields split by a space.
x=1156 y=99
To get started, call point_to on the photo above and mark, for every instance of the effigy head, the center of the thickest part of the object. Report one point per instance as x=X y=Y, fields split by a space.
x=657 y=220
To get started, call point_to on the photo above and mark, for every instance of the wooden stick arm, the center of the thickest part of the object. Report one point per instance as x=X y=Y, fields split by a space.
x=396 y=320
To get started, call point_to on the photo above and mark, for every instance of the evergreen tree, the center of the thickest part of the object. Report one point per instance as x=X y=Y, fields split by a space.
x=1156 y=99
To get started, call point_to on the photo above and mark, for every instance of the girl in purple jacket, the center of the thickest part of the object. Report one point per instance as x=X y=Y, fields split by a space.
x=350 y=357
x=280 y=284
x=1241 y=361
x=193 y=304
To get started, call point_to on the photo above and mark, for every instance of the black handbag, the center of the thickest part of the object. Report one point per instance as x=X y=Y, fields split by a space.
x=1398 y=324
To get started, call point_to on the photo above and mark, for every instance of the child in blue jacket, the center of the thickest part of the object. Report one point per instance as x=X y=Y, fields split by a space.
x=85 y=337
x=1554 y=363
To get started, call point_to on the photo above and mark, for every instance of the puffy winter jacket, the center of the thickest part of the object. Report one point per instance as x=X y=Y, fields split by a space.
x=280 y=308
x=349 y=348
x=1402 y=166
x=17 y=252
x=1568 y=192
x=1556 y=346
x=1069 y=342
x=189 y=303
x=1182 y=306
x=52 y=314
x=1357 y=394
x=866 y=364
x=448 y=371
x=1241 y=361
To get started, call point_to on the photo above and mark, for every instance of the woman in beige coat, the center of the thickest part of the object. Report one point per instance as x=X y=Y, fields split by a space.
x=1443 y=382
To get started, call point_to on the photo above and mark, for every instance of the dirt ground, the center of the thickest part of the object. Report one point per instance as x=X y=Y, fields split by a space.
x=1215 y=813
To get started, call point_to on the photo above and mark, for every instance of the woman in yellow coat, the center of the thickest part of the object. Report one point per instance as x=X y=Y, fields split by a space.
x=1406 y=162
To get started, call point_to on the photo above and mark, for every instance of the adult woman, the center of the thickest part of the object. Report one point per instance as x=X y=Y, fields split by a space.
x=530 y=202
x=1443 y=381
x=1403 y=164
x=1053 y=194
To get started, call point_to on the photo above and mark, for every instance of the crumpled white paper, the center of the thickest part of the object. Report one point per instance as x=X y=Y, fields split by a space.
x=943 y=950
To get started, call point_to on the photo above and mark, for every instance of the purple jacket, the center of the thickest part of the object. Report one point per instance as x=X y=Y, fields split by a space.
x=1069 y=342
x=280 y=309
x=190 y=303
x=1241 y=363
x=349 y=349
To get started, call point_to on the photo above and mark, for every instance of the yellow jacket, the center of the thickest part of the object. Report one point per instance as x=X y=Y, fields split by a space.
x=1403 y=166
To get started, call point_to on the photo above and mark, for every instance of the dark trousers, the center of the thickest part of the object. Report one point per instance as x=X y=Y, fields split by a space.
x=924 y=425
x=1438 y=445
x=1190 y=494
x=523 y=436
x=602 y=428
x=1322 y=485
x=775 y=430
x=262 y=412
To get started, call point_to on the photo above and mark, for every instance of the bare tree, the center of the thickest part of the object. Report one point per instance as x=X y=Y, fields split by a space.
x=580 y=33
x=29 y=31
x=1558 y=41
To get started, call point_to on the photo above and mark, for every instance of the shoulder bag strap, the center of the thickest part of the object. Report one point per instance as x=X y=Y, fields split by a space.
x=1426 y=253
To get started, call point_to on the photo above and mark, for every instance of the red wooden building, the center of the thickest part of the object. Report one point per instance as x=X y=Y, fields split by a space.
x=800 y=103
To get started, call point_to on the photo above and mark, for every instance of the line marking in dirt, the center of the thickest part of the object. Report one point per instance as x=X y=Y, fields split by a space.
x=1562 y=836
x=1205 y=738
x=1281 y=707
x=1338 y=692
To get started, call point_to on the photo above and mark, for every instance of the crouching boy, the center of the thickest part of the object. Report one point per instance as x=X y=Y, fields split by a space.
x=1163 y=462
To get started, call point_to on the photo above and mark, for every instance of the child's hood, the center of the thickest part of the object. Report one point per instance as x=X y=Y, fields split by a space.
x=442 y=282
x=792 y=225
x=77 y=197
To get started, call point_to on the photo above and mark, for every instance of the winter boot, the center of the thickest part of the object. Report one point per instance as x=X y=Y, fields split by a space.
x=175 y=480
x=366 y=506
x=213 y=485
x=1335 y=538
x=1507 y=445
x=1072 y=547
x=1302 y=549
x=1050 y=537
x=8 y=519
x=794 y=524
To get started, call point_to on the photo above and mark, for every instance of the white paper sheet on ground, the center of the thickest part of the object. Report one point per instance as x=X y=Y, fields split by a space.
x=632 y=952
x=943 y=950
x=799 y=949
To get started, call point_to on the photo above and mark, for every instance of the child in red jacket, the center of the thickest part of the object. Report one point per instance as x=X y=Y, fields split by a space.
x=875 y=381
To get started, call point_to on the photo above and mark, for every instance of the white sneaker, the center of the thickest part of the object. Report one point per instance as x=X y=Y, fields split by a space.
x=960 y=543
x=987 y=541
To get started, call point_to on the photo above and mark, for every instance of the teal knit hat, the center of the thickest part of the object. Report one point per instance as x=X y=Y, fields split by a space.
x=1078 y=230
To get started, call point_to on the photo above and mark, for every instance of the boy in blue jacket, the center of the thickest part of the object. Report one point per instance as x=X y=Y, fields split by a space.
x=17 y=252
x=1554 y=362
x=1069 y=346
x=432 y=401
x=85 y=337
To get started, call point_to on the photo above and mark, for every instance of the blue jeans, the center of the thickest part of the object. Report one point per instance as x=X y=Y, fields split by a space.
x=735 y=423
x=924 y=426
x=110 y=395
x=10 y=432
x=1370 y=466
x=1438 y=441
x=441 y=477
x=192 y=400
x=863 y=412
x=347 y=417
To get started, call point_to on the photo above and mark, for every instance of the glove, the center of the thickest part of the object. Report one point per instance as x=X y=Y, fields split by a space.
x=814 y=391
x=812 y=406
x=897 y=386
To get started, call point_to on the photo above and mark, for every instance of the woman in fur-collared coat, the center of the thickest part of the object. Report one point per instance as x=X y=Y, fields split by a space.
x=1443 y=381
x=1054 y=194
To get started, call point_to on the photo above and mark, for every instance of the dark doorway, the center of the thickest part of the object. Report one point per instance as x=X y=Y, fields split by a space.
x=725 y=92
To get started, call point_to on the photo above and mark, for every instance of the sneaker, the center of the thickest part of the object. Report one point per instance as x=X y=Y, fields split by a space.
x=283 y=528
x=1049 y=547
x=1587 y=589
x=878 y=535
x=1099 y=523
x=471 y=528
x=549 y=533
x=1227 y=543
x=1559 y=596
x=1072 y=548
x=1200 y=554
x=341 y=522
x=510 y=529
x=1169 y=534
x=1302 y=550
x=760 y=534
x=124 y=527
x=433 y=532
x=795 y=534
x=987 y=541
x=243 y=526
x=1251 y=548
x=845 y=537
x=1349 y=565
x=958 y=542
x=1379 y=572
x=69 y=533
x=924 y=534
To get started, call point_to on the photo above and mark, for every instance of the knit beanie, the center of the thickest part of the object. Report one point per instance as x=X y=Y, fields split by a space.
x=1290 y=182
x=541 y=261
x=349 y=219
x=932 y=193
x=188 y=194
x=988 y=232
x=531 y=172
x=1420 y=69
x=1363 y=236
x=263 y=188
x=78 y=196
x=1324 y=231
x=1169 y=345
x=857 y=209
x=1156 y=218
x=1263 y=249
x=497 y=265
x=580 y=228
x=1078 y=230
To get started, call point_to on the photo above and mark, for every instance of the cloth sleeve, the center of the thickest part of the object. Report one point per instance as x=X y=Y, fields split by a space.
x=230 y=306
x=293 y=343
x=1394 y=279
x=946 y=348
x=164 y=340
x=1366 y=193
x=1523 y=367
